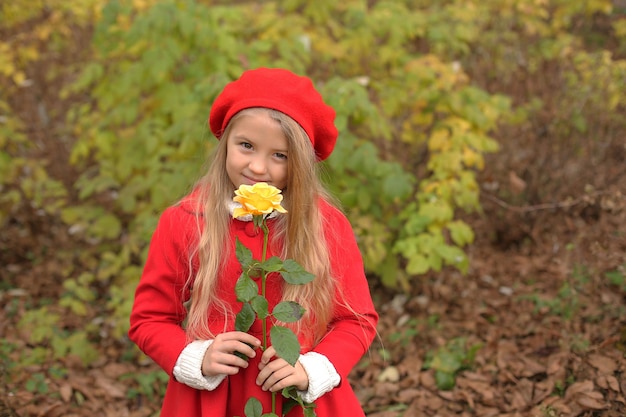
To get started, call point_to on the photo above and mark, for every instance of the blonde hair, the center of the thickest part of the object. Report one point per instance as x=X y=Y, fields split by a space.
x=298 y=235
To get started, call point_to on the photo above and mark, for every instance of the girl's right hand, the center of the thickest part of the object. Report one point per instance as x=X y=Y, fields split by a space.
x=220 y=358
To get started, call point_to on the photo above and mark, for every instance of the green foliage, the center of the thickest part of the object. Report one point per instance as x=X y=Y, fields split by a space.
x=153 y=80
x=254 y=303
x=406 y=334
x=286 y=344
x=253 y=408
x=7 y=363
x=448 y=360
x=422 y=106
x=294 y=400
x=51 y=341
x=25 y=182
x=567 y=301
x=617 y=277
x=150 y=384
x=37 y=384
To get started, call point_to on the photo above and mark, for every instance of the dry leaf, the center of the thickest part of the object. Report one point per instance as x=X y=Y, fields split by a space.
x=604 y=364
x=66 y=392
x=591 y=401
x=613 y=383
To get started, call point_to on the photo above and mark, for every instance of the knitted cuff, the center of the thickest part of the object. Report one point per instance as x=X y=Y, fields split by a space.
x=322 y=376
x=188 y=368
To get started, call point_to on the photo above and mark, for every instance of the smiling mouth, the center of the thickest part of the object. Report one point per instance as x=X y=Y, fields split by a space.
x=254 y=181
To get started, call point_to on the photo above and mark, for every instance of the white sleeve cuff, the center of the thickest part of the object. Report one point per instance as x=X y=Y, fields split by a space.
x=188 y=368
x=323 y=376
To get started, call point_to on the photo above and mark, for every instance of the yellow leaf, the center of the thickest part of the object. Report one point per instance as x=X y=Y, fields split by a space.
x=19 y=77
x=43 y=32
x=7 y=68
x=29 y=53
x=472 y=158
x=439 y=140
x=141 y=5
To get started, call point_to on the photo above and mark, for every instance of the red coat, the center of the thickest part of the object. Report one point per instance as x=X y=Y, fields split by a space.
x=155 y=321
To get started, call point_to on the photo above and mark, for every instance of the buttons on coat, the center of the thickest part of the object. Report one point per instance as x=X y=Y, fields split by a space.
x=251 y=230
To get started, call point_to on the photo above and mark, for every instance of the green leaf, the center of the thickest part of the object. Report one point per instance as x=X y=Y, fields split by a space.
x=245 y=288
x=293 y=273
x=446 y=361
x=107 y=226
x=245 y=318
x=288 y=311
x=288 y=404
x=273 y=264
x=260 y=306
x=253 y=408
x=416 y=224
x=445 y=381
x=285 y=343
x=460 y=232
x=417 y=265
x=292 y=399
x=78 y=345
x=451 y=254
x=244 y=255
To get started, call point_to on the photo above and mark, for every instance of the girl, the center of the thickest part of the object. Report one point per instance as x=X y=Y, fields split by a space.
x=273 y=127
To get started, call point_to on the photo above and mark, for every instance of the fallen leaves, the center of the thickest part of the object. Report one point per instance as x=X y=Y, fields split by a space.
x=532 y=363
x=534 y=360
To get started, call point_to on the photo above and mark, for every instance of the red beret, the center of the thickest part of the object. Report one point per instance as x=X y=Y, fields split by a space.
x=281 y=90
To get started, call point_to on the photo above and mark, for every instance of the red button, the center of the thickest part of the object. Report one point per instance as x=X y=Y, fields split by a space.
x=252 y=230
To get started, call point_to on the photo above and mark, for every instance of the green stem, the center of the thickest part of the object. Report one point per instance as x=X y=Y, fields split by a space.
x=266 y=233
x=273 y=402
x=264 y=322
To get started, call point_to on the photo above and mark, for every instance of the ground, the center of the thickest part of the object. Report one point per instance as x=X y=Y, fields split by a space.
x=537 y=327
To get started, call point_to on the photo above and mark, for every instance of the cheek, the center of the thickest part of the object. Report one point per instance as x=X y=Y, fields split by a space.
x=232 y=168
x=233 y=159
x=281 y=177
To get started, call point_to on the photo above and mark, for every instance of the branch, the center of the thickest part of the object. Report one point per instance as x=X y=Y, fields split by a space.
x=544 y=206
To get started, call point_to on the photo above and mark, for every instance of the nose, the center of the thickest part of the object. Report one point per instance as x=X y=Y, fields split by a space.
x=258 y=165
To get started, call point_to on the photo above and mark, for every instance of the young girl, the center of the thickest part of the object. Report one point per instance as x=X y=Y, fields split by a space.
x=273 y=127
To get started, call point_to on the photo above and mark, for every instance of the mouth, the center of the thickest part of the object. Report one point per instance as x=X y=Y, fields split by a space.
x=252 y=181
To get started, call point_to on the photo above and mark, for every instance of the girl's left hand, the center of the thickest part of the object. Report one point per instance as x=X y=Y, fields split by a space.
x=278 y=374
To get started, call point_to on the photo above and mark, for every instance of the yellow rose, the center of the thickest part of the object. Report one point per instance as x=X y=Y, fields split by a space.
x=258 y=200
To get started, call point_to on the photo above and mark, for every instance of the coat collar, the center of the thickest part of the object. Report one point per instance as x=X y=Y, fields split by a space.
x=232 y=205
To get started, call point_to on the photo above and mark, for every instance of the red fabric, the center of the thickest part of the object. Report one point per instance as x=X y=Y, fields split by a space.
x=282 y=90
x=158 y=312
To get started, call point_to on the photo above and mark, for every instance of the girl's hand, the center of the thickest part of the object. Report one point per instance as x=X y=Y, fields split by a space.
x=220 y=358
x=278 y=374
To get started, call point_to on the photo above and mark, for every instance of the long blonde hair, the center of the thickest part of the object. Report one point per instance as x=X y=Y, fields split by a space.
x=298 y=235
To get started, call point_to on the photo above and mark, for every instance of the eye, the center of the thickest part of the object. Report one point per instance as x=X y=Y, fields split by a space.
x=280 y=155
x=245 y=145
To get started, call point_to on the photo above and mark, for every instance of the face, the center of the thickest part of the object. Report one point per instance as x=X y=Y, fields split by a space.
x=257 y=151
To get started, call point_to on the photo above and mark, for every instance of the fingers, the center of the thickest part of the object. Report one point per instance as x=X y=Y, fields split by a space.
x=277 y=374
x=220 y=363
x=269 y=353
x=228 y=353
x=236 y=342
x=238 y=336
